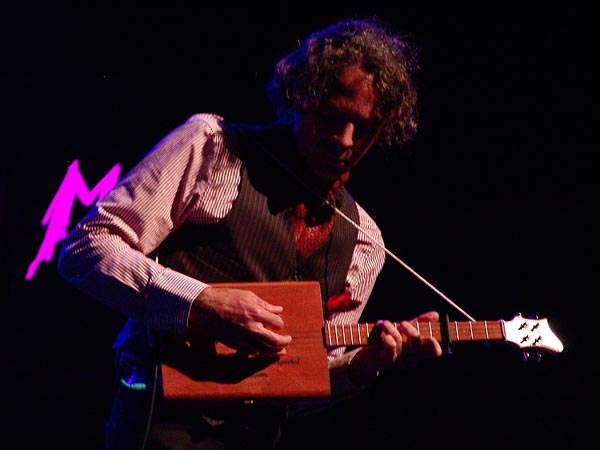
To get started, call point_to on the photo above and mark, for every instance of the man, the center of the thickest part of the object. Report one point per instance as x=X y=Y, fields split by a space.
x=216 y=201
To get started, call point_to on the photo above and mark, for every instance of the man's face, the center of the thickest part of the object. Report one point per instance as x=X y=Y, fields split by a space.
x=340 y=131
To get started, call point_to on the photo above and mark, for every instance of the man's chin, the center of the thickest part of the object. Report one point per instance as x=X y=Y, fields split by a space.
x=331 y=174
x=328 y=170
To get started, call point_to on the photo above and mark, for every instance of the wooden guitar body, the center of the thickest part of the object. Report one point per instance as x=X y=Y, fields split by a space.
x=201 y=374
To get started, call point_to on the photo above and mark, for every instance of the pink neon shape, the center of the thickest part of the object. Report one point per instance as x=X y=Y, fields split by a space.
x=58 y=214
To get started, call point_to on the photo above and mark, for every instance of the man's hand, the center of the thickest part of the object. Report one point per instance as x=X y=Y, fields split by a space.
x=239 y=319
x=400 y=346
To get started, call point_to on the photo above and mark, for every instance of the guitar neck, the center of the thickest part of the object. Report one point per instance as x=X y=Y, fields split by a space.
x=339 y=335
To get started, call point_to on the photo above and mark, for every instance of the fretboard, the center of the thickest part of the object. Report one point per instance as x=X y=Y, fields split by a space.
x=336 y=335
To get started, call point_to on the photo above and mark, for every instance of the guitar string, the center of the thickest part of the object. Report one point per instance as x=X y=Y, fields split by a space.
x=351 y=222
x=349 y=334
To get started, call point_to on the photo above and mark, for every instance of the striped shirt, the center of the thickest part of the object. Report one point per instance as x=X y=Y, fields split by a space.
x=189 y=176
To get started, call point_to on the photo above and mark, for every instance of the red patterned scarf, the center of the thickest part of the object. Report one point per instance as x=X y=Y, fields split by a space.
x=313 y=227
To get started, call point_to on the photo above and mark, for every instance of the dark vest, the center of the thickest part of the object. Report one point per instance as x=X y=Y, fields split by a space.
x=255 y=242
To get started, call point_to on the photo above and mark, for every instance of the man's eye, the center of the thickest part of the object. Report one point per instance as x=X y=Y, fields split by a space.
x=327 y=115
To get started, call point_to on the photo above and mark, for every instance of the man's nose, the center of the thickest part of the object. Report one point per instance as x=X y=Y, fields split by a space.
x=345 y=135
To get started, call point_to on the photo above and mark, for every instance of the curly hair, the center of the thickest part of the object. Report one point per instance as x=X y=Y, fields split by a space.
x=300 y=79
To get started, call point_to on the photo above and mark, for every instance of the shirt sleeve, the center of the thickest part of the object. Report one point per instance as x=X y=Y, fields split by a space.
x=367 y=261
x=106 y=253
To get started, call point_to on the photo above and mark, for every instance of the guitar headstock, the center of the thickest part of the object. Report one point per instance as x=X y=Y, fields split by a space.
x=532 y=334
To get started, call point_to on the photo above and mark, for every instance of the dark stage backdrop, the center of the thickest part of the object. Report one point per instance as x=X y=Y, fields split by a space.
x=493 y=206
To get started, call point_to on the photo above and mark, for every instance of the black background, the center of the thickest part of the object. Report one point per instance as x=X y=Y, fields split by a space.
x=494 y=205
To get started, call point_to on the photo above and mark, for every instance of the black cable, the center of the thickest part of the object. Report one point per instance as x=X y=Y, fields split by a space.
x=151 y=410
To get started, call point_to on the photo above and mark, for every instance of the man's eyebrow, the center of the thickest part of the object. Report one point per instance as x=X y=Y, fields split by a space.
x=366 y=122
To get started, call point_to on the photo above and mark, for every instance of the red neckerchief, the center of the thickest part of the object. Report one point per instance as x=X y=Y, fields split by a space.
x=312 y=228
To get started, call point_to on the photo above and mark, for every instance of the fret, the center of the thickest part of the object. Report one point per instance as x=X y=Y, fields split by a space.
x=354 y=334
